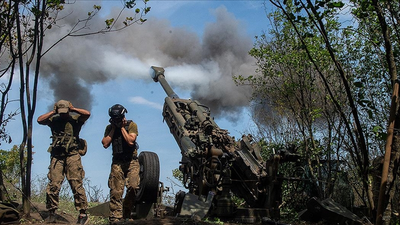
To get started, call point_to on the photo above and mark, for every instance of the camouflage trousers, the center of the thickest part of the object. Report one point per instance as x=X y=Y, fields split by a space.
x=70 y=167
x=121 y=175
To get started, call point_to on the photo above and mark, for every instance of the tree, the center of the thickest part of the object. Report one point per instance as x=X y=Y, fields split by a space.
x=5 y=18
x=24 y=24
x=304 y=76
x=291 y=96
x=379 y=19
x=10 y=169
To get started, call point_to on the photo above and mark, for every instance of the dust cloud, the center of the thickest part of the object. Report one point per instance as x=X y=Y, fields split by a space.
x=202 y=65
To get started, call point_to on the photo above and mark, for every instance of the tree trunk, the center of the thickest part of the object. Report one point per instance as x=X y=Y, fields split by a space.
x=3 y=190
x=383 y=197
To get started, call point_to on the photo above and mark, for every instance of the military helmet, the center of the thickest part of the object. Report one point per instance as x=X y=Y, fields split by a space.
x=117 y=111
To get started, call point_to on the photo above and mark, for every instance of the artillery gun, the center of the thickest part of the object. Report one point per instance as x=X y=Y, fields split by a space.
x=214 y=165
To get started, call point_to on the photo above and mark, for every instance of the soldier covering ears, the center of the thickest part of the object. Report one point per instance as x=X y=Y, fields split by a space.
x=122 y=134
x=66 y=149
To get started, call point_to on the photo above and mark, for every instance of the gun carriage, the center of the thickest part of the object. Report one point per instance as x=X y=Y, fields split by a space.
x=214 y=163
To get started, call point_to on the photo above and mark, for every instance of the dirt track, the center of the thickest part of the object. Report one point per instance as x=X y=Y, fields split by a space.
x=39 y=215
x=168 y=220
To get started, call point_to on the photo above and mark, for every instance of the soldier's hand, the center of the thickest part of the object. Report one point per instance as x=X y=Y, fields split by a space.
x=118 y=125
x=124 y=122
x=70 y=105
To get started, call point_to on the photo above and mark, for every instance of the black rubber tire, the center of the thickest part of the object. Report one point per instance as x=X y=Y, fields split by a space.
x=149 y=177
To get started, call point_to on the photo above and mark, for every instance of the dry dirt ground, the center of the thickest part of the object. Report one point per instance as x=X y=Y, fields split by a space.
x=39 y=215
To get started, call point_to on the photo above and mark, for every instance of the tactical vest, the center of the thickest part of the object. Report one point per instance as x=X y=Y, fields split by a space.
x=122 y=152
x=65 y=135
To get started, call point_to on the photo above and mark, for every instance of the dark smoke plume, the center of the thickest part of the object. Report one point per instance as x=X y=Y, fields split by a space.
x=204 y=66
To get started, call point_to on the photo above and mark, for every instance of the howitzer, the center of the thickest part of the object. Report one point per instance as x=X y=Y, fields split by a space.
x=213 y=162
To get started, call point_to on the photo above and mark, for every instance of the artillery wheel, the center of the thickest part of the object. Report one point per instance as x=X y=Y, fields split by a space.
x=149 y=177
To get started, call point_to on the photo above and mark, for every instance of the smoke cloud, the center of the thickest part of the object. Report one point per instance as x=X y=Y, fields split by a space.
x=203 y=65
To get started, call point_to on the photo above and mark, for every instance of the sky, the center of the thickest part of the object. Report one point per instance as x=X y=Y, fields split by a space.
x=201 y=45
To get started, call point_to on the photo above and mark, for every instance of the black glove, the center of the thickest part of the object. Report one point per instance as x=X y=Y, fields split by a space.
x=116 y=122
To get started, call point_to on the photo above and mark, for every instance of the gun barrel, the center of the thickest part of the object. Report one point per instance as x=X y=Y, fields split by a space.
x=158 y=76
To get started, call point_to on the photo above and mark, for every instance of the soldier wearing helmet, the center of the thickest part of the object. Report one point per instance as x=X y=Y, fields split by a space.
x=121 y=134
x=66 y=149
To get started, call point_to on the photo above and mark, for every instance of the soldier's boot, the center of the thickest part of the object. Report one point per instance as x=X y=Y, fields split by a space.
x=52 y=217
x=126 y=213
x=83 y=218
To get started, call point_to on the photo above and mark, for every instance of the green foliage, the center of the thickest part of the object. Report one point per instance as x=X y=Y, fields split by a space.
x=10 y=168
x=310 y=56
x=130 y=4
x=4 y=135
x=109 y=22
x=286 y=73
x=213 y=221
x=23 y=25
x=55 y=4
x=177 y=174
x=9 y=160
x=10 y=164
x=97 y=7
x=39 y=184
x=237 y=201
x=138 y=17
x=305 y=62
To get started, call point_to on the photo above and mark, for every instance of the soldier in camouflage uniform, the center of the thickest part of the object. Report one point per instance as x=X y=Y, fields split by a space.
x=121 y=134
x=66 y=149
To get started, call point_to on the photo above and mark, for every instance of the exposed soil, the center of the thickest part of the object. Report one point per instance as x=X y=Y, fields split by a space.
x=39 y=215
